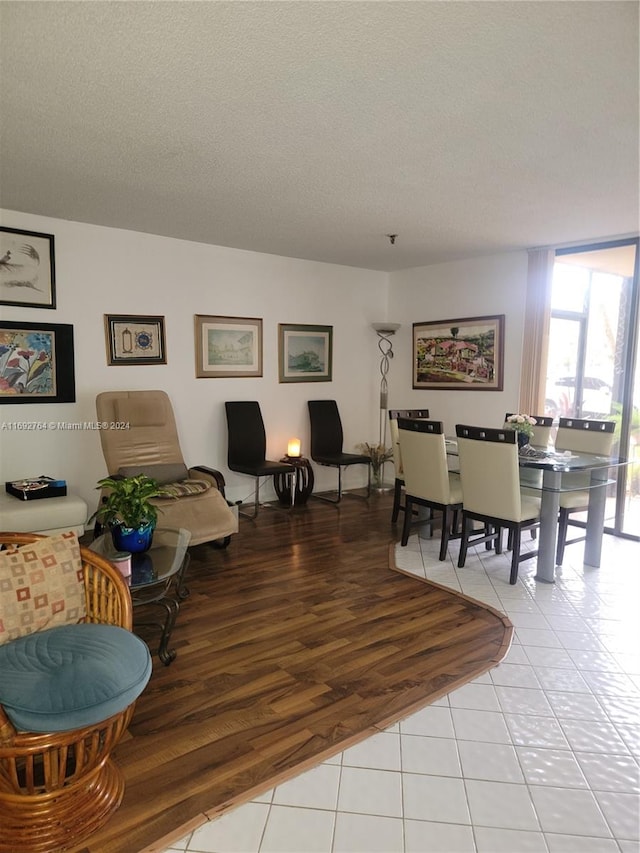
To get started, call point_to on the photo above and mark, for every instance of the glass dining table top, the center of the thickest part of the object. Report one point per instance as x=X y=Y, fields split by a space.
x=561 y=461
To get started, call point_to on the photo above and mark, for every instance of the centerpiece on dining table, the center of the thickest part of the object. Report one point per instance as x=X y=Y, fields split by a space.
x=523 y=425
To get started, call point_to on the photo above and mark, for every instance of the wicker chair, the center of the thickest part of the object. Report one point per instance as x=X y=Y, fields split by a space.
x=56 y=789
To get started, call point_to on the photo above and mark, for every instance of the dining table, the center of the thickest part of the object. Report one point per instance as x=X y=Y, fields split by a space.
x=542 y=471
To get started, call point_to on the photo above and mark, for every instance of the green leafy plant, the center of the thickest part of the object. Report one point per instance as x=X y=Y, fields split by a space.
x=128 y=501
x=377 y=453
x=522 y=423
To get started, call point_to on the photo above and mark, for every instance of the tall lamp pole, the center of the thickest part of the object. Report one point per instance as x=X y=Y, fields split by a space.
x=385 y=332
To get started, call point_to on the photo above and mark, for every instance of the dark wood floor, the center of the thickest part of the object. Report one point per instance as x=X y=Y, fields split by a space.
x=294 y=643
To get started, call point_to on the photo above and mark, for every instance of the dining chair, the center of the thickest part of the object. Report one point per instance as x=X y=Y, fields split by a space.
x=247 y=449
x=394 y=414
x=327 y=439
x=581 y=436
x=491 y=493
x=541 y=432
x=427 y=480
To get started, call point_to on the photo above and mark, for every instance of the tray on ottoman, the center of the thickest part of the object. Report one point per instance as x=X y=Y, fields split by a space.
x=35 y=488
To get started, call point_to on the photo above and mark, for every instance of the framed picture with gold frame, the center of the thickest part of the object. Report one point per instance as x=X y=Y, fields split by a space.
x=228 y=346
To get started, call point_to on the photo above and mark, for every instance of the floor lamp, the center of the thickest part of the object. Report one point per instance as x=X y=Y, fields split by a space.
x=385 y=332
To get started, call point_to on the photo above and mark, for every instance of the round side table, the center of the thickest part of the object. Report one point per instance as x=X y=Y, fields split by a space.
x=304 y=481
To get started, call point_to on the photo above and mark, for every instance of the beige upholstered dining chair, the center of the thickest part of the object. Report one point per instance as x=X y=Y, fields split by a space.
x=394 y=414
x=580 y=436
x=427 y=480
x=150 y=446
x=491 y=493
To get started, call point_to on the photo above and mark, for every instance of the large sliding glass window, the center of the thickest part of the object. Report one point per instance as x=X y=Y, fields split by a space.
x=593 y=368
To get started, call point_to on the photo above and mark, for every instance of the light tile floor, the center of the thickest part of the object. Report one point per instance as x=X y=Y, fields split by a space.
x=539 y=755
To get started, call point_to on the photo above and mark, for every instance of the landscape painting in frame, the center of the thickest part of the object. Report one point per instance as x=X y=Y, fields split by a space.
x=464 y=355
x=228 y=346
x=27 y=268
x=305 y=353
x=36 y=363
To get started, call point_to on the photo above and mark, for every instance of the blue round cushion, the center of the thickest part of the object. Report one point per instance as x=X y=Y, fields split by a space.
x=71 y=676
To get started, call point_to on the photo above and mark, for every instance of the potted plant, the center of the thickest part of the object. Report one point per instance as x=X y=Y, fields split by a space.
x=127 y=510
x=378 y=454
x=523 y=425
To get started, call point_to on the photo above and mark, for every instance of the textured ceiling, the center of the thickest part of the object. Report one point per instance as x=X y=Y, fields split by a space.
x=314 y=129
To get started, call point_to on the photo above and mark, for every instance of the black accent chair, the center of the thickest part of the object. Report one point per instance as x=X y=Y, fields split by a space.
x=248 y=447
x=326 y=444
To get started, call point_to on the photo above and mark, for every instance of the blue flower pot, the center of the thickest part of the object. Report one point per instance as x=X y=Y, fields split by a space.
x=133 y=540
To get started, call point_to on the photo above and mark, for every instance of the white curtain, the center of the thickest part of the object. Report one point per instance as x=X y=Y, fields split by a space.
x=536 y=331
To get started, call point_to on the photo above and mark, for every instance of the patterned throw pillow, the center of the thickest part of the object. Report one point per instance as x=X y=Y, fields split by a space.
x=41 y=585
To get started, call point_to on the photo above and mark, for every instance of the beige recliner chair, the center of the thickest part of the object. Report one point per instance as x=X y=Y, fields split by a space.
x=150 y=446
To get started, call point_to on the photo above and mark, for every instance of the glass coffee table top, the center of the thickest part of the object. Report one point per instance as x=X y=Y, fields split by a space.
x=152 y=575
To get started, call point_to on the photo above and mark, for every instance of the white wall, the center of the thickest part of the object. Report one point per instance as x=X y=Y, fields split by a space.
x=471 y=288
x=110 y=271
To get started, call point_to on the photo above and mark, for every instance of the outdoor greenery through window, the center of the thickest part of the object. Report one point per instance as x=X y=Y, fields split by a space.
x=591 y=368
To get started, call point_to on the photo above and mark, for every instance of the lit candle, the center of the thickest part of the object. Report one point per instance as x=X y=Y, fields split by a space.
x=293 y=448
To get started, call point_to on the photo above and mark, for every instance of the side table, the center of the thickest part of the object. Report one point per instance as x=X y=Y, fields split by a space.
x=152 y=575
x=304 y=481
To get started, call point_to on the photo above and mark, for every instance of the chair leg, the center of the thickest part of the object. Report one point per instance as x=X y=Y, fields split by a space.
x=406 y=525
x=563 y=526
x=498 y=540
x=464 y=542
x=397 y=496
x=515 y=556
x=510 y=539
x=444 y=538
x=256 y=504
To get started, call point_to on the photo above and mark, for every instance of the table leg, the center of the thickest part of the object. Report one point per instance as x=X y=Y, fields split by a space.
x=549 y=510
x=181 y=588
x=171 y=608
x=595 y=517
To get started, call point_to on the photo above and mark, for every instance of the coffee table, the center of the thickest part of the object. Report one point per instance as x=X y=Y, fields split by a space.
x=153 y=575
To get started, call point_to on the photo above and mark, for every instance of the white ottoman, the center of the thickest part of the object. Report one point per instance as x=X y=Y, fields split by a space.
x=47 y=515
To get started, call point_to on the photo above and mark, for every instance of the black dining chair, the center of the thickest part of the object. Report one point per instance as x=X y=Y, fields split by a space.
x=248 y=447
x=326 y=444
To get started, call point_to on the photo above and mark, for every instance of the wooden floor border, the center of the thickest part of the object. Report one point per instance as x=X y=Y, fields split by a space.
x=295 y=643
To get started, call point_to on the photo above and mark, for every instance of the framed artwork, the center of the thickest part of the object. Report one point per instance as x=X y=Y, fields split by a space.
x=36 y=363
x=459 y=355
x=305 y=353
x=27 y=268
x=228 y=346
x=134 y=339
